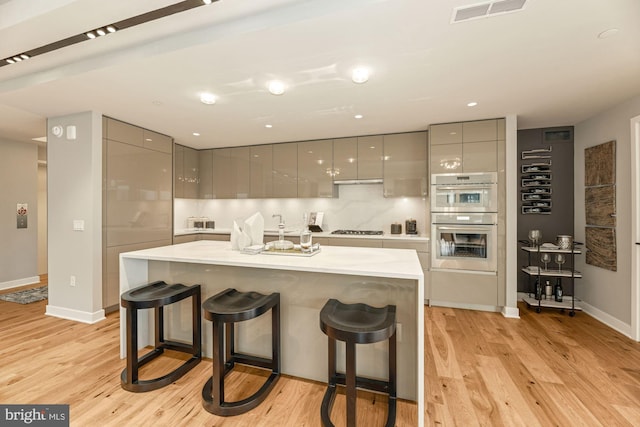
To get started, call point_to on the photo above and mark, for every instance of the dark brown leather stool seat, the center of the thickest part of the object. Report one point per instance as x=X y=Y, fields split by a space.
x=224 y=310
x=156 y=295
x=357 y=324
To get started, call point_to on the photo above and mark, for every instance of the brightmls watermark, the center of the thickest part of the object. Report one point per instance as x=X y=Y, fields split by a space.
x=34 y=415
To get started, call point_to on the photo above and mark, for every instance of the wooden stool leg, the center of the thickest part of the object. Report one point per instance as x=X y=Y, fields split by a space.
x=275 y=338
x=351 y=384
x=159 y=323
x=132 y=345
x=217 y=387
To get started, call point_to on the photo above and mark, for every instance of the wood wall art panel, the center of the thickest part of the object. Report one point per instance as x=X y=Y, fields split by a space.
x=600 y=205
x=601 y=247
x=600 y=164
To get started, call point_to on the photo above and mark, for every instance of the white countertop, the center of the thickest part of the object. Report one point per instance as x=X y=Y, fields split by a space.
x=385 y=236
x=374 y=262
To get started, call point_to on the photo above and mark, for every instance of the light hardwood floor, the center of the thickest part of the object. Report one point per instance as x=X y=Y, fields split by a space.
x=480 y=369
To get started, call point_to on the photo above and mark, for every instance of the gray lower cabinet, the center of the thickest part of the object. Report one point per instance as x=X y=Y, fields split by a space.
x=405 y=165
x=111 y=271
x=422 y=249
x=463 y=289
x=217 y=237
x=185 y=238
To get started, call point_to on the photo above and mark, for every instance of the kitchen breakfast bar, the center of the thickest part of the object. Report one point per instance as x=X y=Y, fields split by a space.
x=373 y=276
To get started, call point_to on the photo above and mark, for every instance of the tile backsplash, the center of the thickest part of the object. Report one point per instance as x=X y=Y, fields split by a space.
x=360 y=207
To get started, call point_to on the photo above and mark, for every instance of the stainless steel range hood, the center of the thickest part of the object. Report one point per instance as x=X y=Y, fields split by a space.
x=357 y=181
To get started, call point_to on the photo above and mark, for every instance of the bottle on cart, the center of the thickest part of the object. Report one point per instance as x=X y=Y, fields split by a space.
x=548 y=290
x=558 y=290
x=538 y=289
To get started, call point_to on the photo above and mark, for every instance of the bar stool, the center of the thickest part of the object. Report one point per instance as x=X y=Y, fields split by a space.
x=224 y=309
x=156 y=295
x=357 y=324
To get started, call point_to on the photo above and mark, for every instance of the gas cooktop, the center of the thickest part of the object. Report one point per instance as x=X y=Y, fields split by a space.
x=359 y=232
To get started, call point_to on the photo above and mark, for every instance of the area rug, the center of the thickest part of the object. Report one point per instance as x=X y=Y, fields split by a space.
x=27 y=296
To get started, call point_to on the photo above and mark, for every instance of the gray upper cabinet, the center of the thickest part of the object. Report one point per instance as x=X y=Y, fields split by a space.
x=241 y=165
x=405 y=165
x=224 y=179
x=315 y=168
x=478 y=131
x=178 y=171
x=157 y=142
x=345 y=158
x=205 y=163
x=370 y=154
x=124 y=132
x=191 y=174
x=466 y=146
x=261 y=175
x=358 y=158
x=285 y=170
x=446 y=133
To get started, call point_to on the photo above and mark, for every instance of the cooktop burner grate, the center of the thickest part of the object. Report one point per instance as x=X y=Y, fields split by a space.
x=359 y=232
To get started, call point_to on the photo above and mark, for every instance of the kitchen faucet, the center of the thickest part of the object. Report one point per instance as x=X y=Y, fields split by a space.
x=280 y=226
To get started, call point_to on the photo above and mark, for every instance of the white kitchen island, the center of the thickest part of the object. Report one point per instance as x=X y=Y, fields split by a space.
x=370 y=275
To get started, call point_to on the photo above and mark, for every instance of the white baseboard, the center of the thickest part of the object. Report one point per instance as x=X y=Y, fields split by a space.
x=511 y=312
x=19 y=282
x=478 y=307
x=76 y=315
x=607 y=319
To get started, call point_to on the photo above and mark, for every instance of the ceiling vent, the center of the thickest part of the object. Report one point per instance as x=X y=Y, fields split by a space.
x=485 y=10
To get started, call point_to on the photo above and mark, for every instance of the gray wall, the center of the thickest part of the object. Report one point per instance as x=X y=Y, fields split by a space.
x=608 y=293
x=560 y=220
x=18 y=184
x=75 y=193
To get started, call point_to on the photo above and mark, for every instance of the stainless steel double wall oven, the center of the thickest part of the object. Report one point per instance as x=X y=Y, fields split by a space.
x=464 y=222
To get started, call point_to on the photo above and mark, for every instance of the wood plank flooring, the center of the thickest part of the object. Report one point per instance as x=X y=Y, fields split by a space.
x=480 y=369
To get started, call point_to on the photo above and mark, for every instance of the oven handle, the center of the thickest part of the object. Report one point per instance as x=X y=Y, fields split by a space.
x=466 y=227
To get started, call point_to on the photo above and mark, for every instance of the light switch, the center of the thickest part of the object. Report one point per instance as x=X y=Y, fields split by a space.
x=78 y=225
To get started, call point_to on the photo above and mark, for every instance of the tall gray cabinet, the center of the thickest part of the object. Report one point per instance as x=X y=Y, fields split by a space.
x=137 y=197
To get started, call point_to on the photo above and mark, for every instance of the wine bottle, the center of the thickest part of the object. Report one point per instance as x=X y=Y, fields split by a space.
x=558 y=290
x=538 y=289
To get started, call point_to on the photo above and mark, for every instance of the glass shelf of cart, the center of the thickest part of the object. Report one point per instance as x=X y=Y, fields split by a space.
x=550 y=249
x=535 y=271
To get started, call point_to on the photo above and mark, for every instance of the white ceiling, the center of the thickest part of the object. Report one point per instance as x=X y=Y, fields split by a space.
x=545 y=63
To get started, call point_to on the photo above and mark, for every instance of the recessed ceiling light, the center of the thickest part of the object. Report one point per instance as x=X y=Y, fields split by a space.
x=23 y=56
x=111 y=29
x=608 y=33
x=360 y=75
x=276 y=87
x=101 y=32
x=268 y=126
x=207 y=1
x=196 y=134
x=10 y=61
x=472 y=104
x=358 y=116
x=91 y=35
x=207 y=98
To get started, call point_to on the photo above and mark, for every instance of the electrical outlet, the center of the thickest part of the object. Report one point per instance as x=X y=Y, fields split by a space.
x=72 y=281
x=399 y=332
